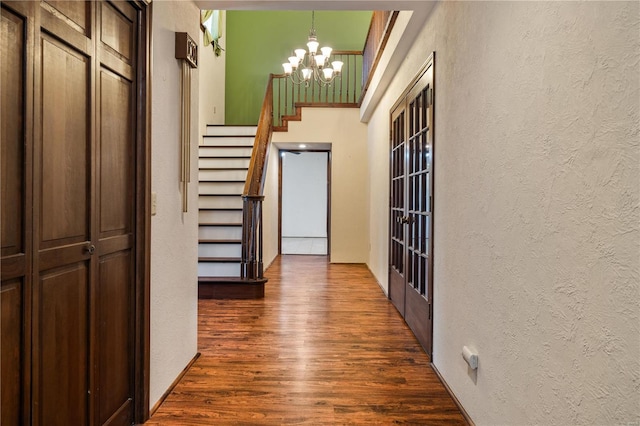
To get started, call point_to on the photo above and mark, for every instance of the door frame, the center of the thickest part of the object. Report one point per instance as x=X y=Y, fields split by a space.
x=280 y=152
x=428 y=66
x=143 y=213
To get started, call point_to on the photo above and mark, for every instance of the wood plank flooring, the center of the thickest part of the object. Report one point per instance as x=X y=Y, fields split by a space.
x=323 y=347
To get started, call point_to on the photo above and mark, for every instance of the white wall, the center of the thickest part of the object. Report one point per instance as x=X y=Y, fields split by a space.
x=304 y=194
x=270 y=209
x=537 y=235
x=349 y=170
x=211 y=69
x=174 y=235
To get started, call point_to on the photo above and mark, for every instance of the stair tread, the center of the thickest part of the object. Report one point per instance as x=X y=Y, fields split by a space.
x=228 y=136
x=225 y=146
x=232 y=209
x=220 y=259
x=220 y=195
x=221 y=181
x=230 y=157
x=220 y=241
x=223 y=168
x=219 y=224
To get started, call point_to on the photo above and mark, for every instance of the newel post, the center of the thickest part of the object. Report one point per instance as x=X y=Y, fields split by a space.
x=251 y=263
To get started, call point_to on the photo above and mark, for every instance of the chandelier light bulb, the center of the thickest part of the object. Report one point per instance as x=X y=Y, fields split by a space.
x=293 y=60
x=306 y=73
x=319 y=60
x=326 y=51
x=313 y=47
x=328 y=73
x=288 y=69
x=337 y=66
x=300 y=54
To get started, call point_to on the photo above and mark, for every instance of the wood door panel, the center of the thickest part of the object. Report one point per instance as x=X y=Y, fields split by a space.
x=115 y=296
x=63 y=346
x=416 y=316
x=117 y=31
x=116 y=154
x=75 y=13
x=12 y=154
x=396 y=291
x=11 y=306
x=65 y=144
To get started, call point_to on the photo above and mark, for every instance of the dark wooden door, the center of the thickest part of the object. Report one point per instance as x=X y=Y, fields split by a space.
x=15 y=205
x=69 y=211
x=115 y=213
x=411 y=208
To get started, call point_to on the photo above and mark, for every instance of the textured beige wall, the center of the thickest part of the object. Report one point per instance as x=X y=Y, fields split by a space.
x=174 y=235
x=349 y=198
x=537 y=235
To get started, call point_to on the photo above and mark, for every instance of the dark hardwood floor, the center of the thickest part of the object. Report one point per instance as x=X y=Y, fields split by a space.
x=324 y=346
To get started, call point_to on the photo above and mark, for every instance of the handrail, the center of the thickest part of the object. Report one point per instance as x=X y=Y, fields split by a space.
x=251 y=267
x=257 y=165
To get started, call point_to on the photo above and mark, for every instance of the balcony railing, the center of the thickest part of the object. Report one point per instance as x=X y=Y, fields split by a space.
x=344 y=91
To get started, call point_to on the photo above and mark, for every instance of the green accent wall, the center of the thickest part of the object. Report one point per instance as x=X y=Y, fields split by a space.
x=258 y=42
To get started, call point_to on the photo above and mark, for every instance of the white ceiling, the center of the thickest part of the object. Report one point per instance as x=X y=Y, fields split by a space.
x=314 y=4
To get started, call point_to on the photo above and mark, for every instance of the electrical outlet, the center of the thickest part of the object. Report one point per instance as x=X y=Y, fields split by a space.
x=154 y=203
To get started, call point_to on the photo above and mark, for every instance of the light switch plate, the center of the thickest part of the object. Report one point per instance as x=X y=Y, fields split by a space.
x=154 y=202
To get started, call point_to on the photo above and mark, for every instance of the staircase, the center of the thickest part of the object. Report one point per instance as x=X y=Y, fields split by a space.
x=223 y=162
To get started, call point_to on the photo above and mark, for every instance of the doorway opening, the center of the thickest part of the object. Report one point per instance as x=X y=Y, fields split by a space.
x=304 y=198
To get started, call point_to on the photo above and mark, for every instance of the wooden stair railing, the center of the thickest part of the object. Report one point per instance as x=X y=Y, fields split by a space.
x=251 y=267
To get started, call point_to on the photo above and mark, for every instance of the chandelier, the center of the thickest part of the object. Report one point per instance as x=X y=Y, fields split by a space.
x=307 y=65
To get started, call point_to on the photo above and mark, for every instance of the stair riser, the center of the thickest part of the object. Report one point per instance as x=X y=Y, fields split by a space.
x=220 y=216
x=224 y=162
x=222 y=175
x=231 y=130
x=220 y=232
x=215 y=202
x=218 y=269
x=221 y=188
x=219 y=250
x=214 y=151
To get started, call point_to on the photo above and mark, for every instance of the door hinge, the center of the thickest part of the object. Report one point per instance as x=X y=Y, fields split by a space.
x=430 y=311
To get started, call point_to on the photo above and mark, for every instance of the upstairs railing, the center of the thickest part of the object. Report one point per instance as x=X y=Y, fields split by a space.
x=344 y=91
x=252 y=195
x=382 y=22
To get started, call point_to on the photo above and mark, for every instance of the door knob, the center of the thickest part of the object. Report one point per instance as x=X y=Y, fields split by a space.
x=91 y=249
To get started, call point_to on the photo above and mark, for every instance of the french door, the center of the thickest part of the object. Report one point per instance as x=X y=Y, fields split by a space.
x=72 y=218
x=411 y=207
